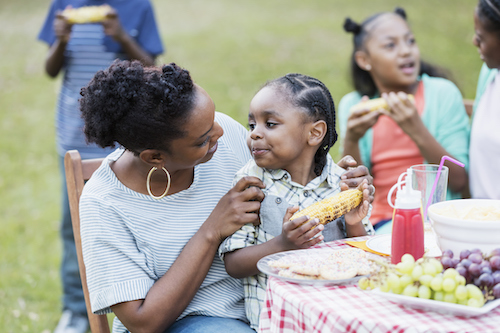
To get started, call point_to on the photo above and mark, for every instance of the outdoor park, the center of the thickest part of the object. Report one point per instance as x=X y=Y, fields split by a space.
x=231 y=48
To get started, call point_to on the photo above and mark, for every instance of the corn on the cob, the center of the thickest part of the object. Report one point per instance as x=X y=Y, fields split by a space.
x=376 y=104
x=88 y=14
x=332 y=208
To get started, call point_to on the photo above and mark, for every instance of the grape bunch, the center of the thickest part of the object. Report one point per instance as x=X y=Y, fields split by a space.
x=425 y=278
x=477 y=268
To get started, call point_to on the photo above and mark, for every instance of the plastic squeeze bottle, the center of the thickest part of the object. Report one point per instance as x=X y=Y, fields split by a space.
x=407 y=221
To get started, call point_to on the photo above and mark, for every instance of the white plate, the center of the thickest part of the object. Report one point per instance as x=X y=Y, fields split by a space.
x=438 y=306
x=263 y=266
x=382 y=244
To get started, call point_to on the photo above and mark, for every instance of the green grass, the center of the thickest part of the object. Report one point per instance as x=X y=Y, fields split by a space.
x=231 y=49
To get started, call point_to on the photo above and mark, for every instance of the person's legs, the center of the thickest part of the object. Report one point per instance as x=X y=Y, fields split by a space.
x=204 y=324
x=75 y=312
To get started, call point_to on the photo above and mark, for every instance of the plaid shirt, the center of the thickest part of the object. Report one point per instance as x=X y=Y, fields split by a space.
x=281 y=192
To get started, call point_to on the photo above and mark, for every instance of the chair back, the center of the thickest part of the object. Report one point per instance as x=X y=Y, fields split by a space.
x=77 y=172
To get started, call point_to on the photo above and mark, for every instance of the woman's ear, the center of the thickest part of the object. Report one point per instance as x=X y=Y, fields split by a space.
x=153 y=157
x=317 y=133
x=362 y=60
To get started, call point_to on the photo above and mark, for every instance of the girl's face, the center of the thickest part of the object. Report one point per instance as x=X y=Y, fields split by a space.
x=202 y=132
x=278 y=132
x=391 y=54
x=487 y=43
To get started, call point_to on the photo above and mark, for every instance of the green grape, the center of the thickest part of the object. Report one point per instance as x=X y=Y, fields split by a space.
x=461 y=293
x=438 y=296
x=393 y=281
x=463 y=301
x=460 y=280
x=449 y=285
x=437 y=264
x=474 y=292
x=363 y=283
x=405 y=280
x=411 y=290
x=397 y=290
x=424 y=292
x=450 y=273
x=372 y=284
x=429 y=269
x=405 y=267
x=408 y=258
x=475 y=303
x=417 y=272
x=449 y=298
x=426 y=280
x=384 y=286
x=437 y=283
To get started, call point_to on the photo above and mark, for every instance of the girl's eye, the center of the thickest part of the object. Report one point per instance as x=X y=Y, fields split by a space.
x=412 y=41
x=268 y=124
x=251 y=127
x=389 y=45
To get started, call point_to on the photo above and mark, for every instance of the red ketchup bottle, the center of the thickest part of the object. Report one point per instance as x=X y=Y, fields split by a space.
x=407 y=221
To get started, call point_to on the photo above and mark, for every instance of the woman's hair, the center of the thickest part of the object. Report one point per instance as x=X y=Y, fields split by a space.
x=137 y=107
x=489 y=13
x=313 y=96
x=362 y=79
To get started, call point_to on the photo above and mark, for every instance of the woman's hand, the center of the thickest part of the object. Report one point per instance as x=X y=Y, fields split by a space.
x=62 y=28
x=360 y=121
x=236 y=208
x=297 y=236
x=355 y=175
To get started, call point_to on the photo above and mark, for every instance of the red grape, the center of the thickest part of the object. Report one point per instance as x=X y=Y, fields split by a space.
x=446 y=262
x=476 y=257
x=464 y=254
x=495 y=252
x=474 y=269
x=448 y=253
x=496 y=290
x=466 y=263
x=485 y=281
x=496 y=277
x=495 y=262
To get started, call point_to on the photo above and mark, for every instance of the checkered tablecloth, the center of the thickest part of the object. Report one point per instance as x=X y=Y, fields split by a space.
x=291 y=307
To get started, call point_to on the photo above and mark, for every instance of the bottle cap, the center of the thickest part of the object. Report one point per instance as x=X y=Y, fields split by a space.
x=406 y=196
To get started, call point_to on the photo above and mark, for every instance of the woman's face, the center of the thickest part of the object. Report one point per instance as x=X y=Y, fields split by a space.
x=392 y=53
x=487 y=43
x=202 y=132
x=278 y=130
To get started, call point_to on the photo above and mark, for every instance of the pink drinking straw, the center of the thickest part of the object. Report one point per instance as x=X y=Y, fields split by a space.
x=444 y=158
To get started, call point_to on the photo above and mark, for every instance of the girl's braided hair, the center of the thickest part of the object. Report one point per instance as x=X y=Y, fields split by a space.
x=489 y=13
x=137 y=107
x=362 y=79
x=314 y=97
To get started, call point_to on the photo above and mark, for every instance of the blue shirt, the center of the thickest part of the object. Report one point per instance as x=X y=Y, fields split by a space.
x=88 y=51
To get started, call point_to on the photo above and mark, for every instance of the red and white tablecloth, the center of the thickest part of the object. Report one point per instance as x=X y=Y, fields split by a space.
x=291 y=307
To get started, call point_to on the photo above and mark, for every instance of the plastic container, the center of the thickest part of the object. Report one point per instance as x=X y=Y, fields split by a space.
x=407 y=221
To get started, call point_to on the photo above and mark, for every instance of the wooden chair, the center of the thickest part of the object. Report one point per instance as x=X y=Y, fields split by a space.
x=77 y=172
x=468 y=103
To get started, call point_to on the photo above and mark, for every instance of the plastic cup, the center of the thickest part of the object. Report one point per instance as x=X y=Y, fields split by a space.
x=423 y=180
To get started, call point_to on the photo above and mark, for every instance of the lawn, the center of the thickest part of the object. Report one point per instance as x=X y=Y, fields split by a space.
x=231 y=49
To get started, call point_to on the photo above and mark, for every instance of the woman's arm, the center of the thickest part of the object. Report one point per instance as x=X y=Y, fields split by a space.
x=55 y=58
x=173 y=292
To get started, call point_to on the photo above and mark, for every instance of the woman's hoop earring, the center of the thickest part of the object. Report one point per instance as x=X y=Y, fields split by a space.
x=368 y=67
x=148 y=182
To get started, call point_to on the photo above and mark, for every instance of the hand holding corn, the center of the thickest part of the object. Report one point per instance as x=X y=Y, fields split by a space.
x=88 y=14
x=375 y=104
x=329 y=209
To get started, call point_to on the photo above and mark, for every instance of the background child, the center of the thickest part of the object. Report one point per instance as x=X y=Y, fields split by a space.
x=80 y=50
x=292 y=128
x=386 y=62
x=485 y=141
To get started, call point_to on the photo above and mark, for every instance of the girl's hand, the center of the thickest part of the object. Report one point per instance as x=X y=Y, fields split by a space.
x=355 y=175
x=62 y=28
x=360 y=121
x=355 y=216
x=296 y=236
x=236 y=208
x=403 y=112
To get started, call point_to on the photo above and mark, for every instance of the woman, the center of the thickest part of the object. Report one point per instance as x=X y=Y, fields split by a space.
x=155 y=212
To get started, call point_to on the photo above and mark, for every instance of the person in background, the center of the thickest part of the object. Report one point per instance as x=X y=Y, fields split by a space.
x=386 y=63
x=292 y=128
x=155 y=212
x=129 y=31
x=485 y=141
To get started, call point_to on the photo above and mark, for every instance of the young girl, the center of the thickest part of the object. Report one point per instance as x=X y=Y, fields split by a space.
x=485 y=141
x=292 y=128
x=386 y=62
